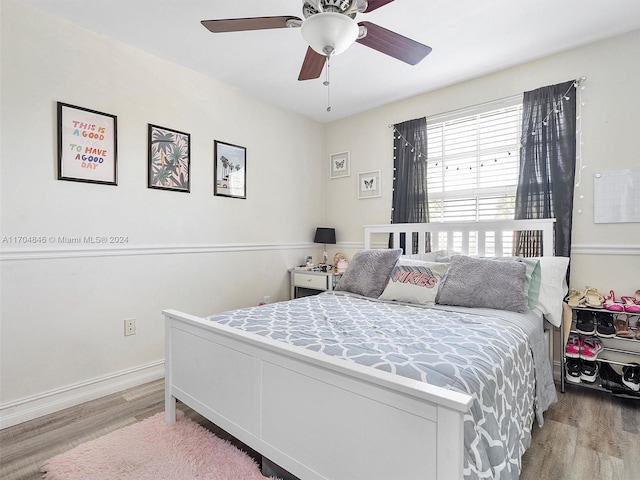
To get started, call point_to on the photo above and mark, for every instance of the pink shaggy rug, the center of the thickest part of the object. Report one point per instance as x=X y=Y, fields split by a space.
x=153 y=450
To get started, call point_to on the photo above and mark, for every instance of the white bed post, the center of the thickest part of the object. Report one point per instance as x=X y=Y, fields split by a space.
x=169 y=399
x=450 y=454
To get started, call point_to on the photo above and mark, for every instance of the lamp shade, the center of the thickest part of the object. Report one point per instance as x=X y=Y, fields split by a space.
x=330 y=32
x=325 y=235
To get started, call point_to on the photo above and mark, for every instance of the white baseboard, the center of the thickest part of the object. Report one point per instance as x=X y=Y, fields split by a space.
x=55 y=400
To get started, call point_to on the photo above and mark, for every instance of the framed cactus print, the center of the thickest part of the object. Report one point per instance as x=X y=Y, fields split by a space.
x=230 y=170
x=169 y=159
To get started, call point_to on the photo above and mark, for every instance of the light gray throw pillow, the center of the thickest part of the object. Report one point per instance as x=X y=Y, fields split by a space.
x=482 y=283
x=369 y=272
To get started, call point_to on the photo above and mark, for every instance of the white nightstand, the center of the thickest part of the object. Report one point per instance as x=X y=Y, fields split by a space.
x=310 y=280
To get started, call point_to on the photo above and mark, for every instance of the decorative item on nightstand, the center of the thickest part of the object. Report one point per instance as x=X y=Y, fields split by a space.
x=340 y=263
x=327 y=236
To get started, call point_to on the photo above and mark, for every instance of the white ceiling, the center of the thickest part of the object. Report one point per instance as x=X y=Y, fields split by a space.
x=469 y=38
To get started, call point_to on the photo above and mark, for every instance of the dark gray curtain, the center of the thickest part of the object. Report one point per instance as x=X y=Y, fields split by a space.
x=410 y=201
x=547 y=166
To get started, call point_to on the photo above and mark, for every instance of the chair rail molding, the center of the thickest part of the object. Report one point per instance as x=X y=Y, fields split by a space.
x=584 y=249
x=80 y=251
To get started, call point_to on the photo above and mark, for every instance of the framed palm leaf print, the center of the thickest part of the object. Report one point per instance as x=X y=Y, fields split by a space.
x=169 y=159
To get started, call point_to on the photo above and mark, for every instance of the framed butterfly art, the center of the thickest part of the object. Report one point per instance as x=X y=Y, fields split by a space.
x=369 y=184
x=339 y=165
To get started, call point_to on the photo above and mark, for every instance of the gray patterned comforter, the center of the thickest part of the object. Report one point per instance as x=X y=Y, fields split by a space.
x=498 y=357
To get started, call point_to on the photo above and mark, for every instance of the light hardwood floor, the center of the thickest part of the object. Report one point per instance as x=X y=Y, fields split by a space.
x=587 y=434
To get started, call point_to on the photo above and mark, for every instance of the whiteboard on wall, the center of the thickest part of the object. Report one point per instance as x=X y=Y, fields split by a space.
x=616 y=196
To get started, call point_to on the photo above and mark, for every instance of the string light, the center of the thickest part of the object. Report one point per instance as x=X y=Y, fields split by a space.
x=421 y=154
x=557 y=107
x=407 y=144
x=579 y=142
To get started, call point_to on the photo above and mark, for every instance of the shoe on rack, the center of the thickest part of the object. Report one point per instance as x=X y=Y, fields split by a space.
x=589 y=371
x=631 y=376
x=585 y=322
x=573 y=370
x=575 y=298
x=604 y=325
x=609 y=378
x=610 y=303
x=591 y=347
x=630 y=305
x=593 y=298
x=622 y=326
x=574 y=346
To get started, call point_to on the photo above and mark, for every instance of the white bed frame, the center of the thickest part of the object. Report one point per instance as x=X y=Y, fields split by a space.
x=316 y=416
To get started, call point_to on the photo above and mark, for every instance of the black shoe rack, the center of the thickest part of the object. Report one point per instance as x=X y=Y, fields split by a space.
x=618 y=353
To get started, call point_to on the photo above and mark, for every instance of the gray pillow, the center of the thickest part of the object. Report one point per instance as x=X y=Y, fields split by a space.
x=531 y=278
x=369 y=272
x=482 y=283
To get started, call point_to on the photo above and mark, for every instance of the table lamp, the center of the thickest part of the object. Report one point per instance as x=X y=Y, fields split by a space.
x=326 y=236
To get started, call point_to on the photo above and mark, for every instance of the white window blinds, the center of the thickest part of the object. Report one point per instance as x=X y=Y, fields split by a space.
x=473 y=162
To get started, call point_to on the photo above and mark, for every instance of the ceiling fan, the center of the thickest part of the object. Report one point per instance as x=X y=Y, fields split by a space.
x=329 y=27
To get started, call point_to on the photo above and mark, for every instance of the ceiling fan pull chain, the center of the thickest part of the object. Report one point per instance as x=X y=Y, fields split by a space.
x=327 y=83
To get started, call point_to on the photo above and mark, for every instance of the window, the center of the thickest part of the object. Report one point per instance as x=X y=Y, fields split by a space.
x=473 y=162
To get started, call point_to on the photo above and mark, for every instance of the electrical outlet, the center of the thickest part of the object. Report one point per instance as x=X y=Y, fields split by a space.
x=130 y=327
x=267 y=299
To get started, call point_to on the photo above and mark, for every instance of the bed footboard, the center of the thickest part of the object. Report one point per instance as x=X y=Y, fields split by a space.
x=315 y=416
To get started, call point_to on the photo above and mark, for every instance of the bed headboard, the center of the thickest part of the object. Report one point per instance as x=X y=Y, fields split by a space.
x=482 y=238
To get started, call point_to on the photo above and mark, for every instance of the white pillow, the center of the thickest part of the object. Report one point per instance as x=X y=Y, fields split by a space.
x=553 y=287
x=414 y=281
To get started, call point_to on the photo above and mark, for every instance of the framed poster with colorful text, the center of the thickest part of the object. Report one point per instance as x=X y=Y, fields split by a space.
x=87 y=145
x=230 y=170
x=169 y=159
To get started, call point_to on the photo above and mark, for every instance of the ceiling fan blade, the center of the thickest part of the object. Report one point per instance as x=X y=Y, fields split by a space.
x=393 y=44
x=312 y=65
x=374 y=4
x=243 y=24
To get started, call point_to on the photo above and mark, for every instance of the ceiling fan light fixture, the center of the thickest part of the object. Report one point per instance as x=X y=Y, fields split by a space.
x=330 y=32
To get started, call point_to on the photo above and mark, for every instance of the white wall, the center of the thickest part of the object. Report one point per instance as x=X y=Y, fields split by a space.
x=63 y=307
x=605 y=256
